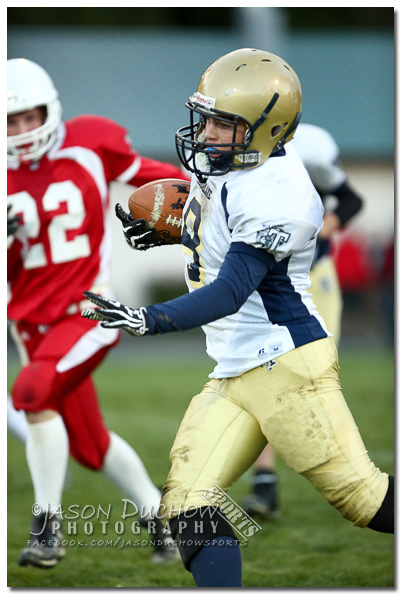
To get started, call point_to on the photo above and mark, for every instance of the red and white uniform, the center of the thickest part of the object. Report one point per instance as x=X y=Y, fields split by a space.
x=63 y=248
x=64 y=245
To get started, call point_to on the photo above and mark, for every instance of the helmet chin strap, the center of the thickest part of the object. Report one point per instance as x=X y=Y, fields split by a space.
x=264 y=116
x=289 y=131
x=265 y=113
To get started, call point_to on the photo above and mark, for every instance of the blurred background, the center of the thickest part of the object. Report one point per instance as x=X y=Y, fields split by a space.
x=139 y=66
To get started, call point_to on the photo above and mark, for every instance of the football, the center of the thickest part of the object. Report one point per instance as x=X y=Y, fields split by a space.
x=161 y=204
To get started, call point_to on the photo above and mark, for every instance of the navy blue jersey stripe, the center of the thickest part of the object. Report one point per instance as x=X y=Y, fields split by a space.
x=224 y=196
x=284 y=306
x=305 y=331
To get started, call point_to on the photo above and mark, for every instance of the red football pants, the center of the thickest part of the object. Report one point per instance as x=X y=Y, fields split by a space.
x=59 y=360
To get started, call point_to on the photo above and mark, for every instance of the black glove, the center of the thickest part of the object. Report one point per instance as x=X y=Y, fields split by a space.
x=13 y=223
x=136 y=231
x=116 y=315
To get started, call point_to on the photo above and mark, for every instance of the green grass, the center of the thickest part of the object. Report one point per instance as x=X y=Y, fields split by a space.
x=311 y=546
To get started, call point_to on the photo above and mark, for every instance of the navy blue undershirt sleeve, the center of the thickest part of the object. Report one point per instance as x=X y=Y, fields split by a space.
x=241 y=273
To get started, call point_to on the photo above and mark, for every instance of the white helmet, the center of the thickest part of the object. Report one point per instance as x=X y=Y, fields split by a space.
x=29 y=86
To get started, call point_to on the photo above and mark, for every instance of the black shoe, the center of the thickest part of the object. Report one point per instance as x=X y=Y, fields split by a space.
x=256 y=506
x=263 y=501
x=44 y=549
x=165 y=549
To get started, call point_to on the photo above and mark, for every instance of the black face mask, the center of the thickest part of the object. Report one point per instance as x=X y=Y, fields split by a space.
x=188 y=147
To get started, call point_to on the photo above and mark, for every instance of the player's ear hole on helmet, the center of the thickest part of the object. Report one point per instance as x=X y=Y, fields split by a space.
x=276 y=130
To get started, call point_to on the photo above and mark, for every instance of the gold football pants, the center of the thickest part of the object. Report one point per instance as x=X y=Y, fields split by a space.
x=327 y=295
x=294 y=402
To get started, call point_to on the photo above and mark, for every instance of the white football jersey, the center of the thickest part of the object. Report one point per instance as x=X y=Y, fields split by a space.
x=320 y=155
x=273 y=207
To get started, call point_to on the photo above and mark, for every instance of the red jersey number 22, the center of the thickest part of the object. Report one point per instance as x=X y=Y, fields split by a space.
x=61 y=249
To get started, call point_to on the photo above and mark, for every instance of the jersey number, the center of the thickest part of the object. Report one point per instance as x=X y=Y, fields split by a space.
x=192 y=244
x=61 y=249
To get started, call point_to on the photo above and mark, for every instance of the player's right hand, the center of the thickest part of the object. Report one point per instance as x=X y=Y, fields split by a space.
x=115 y=315
x=136 y=231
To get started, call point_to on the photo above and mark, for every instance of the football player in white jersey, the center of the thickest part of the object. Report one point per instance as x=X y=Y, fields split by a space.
x=320 y=155
x=59 y=235
x=249 y=233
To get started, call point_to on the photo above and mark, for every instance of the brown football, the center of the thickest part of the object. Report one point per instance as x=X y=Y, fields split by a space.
x=161 y=204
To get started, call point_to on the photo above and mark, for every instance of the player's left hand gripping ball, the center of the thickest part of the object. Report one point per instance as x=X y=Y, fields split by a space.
x=115 y=315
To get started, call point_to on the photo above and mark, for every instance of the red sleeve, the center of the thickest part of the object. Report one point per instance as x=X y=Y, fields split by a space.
x=151 y=170
x=112 y=143
x=107 y=138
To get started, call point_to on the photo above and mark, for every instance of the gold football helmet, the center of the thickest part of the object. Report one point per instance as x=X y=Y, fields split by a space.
x=251 y=85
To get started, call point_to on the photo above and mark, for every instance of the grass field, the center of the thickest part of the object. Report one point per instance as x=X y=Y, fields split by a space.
x=310 y=546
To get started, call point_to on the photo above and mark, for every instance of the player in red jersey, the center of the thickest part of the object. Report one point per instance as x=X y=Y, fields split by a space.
x=59 y=235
